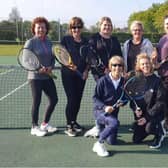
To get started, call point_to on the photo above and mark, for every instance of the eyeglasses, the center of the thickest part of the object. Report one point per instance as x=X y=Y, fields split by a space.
x=115 y=65
x=76 y=27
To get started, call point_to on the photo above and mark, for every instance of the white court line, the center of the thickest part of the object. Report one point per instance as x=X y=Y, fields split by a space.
x=13 y=91
x=3 y=73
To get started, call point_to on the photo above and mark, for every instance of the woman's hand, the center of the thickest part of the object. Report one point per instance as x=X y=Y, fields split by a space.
x=85 y=74
x=154 y=57
x=109 y=109
x=46 y=70
x=72 y=67
x=141 y=121
x=42 y=70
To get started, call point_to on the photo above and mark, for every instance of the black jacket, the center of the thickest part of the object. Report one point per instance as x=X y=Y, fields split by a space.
x=153 y=104
x=74 y=50
x=103 y=49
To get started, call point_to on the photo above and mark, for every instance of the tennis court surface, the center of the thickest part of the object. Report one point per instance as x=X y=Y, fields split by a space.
x=19 y=149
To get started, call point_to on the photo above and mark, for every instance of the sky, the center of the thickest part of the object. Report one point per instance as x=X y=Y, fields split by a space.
x=89 y=10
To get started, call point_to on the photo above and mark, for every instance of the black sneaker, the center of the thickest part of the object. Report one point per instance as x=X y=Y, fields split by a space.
x=77 y=127
x=157 y=142
x=70 y=131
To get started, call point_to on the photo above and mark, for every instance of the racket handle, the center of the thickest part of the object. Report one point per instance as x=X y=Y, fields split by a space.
x=116 y=105
x=52 y=75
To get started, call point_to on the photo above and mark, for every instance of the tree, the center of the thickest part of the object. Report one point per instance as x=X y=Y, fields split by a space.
x=54 y=33
x=159 y=16
x=152 y=18
x=14 y=16
x=27 y=30
x=7 y=30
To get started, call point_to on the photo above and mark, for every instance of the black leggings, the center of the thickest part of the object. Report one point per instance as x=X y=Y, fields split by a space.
x=49 y=88
x=73 y=86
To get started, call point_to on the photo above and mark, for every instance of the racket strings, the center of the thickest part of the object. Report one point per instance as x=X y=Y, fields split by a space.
x=28 y=60
x=136 y=87
x=62 y=56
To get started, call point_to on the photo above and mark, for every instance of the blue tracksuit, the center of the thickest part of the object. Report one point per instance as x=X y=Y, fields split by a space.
x=106 y=94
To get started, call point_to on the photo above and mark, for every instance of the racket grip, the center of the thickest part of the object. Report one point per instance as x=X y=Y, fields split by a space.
x=52 y=75
x=117 y=104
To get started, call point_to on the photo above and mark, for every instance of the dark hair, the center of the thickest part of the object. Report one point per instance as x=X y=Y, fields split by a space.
x=40 y=20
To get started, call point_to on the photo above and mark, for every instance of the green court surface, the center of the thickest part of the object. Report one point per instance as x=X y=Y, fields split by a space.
x=19 y=149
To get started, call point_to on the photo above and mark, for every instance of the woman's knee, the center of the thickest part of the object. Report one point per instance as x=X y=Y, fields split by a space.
x=113 y=123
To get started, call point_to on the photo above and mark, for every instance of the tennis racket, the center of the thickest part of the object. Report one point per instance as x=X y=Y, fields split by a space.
x=133 y=89
x=29 y=61
x=92 y=59
x=63 y=57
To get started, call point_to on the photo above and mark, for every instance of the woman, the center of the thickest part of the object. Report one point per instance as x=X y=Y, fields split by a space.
x=149 y=118
x=108 y=90
x=72 y=82
x=136 y=45
x=40 y=81
x=163 y=68
x=103 y=46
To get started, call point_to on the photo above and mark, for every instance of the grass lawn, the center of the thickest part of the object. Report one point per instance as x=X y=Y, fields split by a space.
x=9 y=50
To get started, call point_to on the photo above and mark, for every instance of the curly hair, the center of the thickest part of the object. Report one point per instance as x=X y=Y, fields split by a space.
x=40 y=20
x=142 y=56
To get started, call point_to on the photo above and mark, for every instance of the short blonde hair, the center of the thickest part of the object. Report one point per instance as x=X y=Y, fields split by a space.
x=142 y=56
x=118 y=58
x=136 y=23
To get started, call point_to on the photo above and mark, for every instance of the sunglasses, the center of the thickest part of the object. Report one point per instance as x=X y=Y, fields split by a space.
x=76 y=27
x=115 y=65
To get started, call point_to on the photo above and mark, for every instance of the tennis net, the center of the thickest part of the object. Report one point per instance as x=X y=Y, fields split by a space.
x=16 y=100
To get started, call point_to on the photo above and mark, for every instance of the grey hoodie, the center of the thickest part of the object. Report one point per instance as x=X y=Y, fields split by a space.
x=146 y=47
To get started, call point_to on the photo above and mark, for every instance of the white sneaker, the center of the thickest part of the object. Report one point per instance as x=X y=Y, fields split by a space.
x=37 y=131
x=93 y=132
x=48 y=128
x=100 y=149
